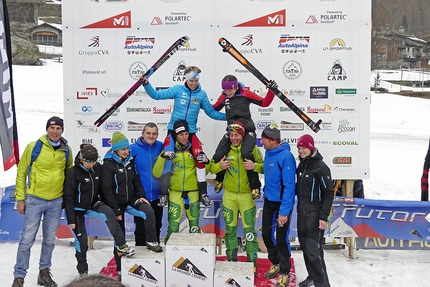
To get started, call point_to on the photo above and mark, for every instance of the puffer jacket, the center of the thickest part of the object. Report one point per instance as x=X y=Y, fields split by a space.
x=314 y=187
x=47 y=172
x=187 y=104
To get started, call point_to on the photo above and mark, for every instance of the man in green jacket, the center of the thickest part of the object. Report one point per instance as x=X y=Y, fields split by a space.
x=184 y=187
x=237 y=197
x=42 y=197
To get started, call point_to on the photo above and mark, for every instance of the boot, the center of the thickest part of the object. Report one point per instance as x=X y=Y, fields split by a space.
x=307 y=282
x=204 y=197
x=45 y=279
x=18 y=282
x=273 y=271
x=125 y=250
x=283 y=280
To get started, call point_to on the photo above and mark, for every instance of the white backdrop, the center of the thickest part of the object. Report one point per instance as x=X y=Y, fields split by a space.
x=318 y=51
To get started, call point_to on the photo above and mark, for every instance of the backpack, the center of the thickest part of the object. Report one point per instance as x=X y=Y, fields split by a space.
x=35 y=153
x=357 y=189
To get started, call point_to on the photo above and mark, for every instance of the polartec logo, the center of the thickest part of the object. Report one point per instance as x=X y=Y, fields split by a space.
x=276 y=19
x=119 y=21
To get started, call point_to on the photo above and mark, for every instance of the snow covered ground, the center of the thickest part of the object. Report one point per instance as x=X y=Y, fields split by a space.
x=398 y=143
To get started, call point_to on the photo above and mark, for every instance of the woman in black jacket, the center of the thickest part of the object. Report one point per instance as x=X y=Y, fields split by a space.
x=314 y=189
x=82 y=198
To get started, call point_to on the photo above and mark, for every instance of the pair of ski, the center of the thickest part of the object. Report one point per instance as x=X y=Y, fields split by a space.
x=229 y=48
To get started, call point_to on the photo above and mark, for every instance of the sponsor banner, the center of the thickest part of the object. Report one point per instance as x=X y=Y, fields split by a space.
x=392 y=244
x=383 y=219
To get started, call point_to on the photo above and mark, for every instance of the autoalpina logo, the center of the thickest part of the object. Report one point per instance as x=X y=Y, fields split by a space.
x=140 y=272
x=276 y=19
x=185 y=266
x=292 y=69
x=342 y=160
x=83 y=95
x=122 y=20
x=337 y=72
x=293 y=44
x=137 y=69
x=136 y=46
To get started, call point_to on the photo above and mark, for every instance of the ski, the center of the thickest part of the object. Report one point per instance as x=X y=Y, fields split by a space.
x=229 y=48
x=183 y=41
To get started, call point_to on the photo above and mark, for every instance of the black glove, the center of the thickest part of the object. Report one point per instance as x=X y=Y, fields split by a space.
x=202 y=158
x=168 y=155
x=272 y=84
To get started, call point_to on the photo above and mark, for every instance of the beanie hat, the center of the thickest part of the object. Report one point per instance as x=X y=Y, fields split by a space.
x=272 y=132
x=179 y=127
x=119 y=141
x=89 y=152
x=55 y=121
x=306 y=141
x=238 y=127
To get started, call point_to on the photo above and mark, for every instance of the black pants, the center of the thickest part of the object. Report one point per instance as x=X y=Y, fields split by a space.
x=140 y=232
x=149 y=222
x=248 y=144
x=279 y=250
x=101 y=211
x=311 y=241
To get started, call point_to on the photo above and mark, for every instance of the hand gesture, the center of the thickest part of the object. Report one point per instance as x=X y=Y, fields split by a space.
x=248 y=164
x=223 y=163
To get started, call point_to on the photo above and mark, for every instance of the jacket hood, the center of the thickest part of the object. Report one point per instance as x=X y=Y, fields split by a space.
x=314 y=155
x=110 y=154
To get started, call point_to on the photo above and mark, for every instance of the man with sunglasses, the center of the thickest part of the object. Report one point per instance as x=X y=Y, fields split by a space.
x=41 y=198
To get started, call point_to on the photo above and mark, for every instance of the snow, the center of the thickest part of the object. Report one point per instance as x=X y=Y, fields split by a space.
x=398 y=143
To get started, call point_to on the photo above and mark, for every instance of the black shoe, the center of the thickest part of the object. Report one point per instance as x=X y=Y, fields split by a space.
x=206 y=200
x=163 y=200
x=306 y=283
x=154 y=246
x=18 y=282
x=45 y=279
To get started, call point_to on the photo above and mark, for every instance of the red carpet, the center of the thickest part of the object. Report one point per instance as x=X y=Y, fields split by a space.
x=263 y=264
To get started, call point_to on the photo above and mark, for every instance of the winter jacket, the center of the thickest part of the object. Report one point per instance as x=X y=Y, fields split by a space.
x=314 y=187
x=280 y=177
x=184 y=176
x=144 y=156
x=237 y=107
x=187 y=104
x=81 y=189
x=47 y=172
x=120 y=181
x=236 y=177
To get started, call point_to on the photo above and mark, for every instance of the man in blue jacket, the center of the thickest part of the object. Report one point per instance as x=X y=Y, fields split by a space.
x=145 y=152
x=279 y=192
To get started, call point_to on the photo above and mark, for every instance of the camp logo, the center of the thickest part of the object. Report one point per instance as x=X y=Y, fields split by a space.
x=137 y=46
x=178 y=74
x=337 y=72
x=185 y=266
x=140 y=272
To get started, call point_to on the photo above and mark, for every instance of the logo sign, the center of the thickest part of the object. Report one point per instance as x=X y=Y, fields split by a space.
x=135 y=126
x=324 y=109
x=292 y=69
x=344 y=91
x=342 y=160
x=118 y=21
x=337 y=44
x=293 y=44
x=348 y=143
x=178 y=74
x=288 y=126
x=344 y=127
x=106 y=142
x=319 y=92
x=260 y=125
x=185 y=266
x=85 y=94
x=113 y=126
x=276 y=19
x=337 y=72
x=137 y=69
x=249 y=41
x=140 y=272
x=138 y=46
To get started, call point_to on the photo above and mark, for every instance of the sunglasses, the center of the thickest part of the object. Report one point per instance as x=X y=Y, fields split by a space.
x=234 y=127
x=89 y=161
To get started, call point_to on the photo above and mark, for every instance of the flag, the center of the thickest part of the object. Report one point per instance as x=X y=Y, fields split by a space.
x=8 y=130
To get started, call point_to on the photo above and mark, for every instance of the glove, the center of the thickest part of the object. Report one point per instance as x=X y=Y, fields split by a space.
x=168 y=155
x=272 y=84
x=202 y=158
